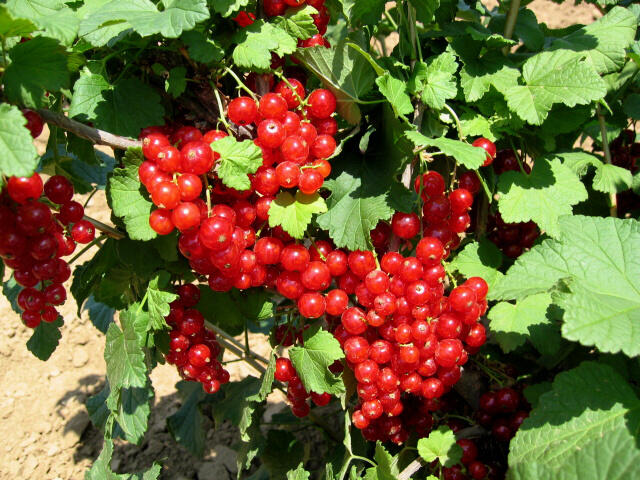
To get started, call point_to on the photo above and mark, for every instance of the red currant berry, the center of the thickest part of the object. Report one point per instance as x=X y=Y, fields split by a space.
x=488 y=146
x=160 y=221
x=287 y=92
x=34 y=122
x=83 y=231
x=310 y=181
x=58 y=189
x=405 y=225
x=295 y=149
x=322 y=103
x=196 y=158
x=242 y=111
x=288 y=174
x=273 y=106
x=21 y=189
x=311 y=305
x=323 y=147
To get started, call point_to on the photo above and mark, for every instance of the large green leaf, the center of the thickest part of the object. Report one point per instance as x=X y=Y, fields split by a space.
x=14 y=27
x=123 y=352
x=585 y=428
x=465 y=154
x=257 y=42
x=186 y=424
x=612 y=179
x=18 y=156
x=357 y=203
x=298 y=22
x=115 y=18
x=131 y=408
x=127 y=198
x=312 y=361
x=345 y=72
x=604 y=41
x=45 y=339
x=395 y=91
x=435 y=80
x=479 y=259
x=53 y=17
x=511 y=325
x=479 y=74
x=294 y=214
x=548 y=192
x=554 y=77
x=37 y=66
x=601 y=299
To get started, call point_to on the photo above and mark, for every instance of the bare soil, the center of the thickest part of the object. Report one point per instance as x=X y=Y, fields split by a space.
x=44 y=424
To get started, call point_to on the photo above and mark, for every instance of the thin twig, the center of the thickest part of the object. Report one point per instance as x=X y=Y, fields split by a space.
x=510 y=25
x=613 y=200
x=236 y=343
x=99 y=137
x=109 y=231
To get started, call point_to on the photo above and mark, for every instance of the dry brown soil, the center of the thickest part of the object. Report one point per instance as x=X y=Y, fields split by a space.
x=45 y=429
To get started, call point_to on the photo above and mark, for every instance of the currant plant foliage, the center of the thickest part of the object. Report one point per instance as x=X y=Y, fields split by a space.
x=428 y=210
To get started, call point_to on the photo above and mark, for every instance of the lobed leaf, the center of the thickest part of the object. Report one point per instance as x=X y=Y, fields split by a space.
x=294 y=214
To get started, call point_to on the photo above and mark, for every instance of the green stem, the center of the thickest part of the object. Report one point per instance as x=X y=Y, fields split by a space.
x=515 y=152
x=220 y=107
x=510 y=25
x=364 y=459
x=133 y=61
x=301 y=100
x=613 y=200
x=391 y=20
x=93 y=192
x=93 y=242
x=411 y=14
x=457 y=120
x=241 y=83
x=485 y=187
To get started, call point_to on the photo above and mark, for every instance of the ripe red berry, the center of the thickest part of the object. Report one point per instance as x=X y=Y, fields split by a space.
x=322 y=103
x=469 y=181
x=58 y=189
x=284 y=370
x=242 y=110
x=34 y=122
x=83 y=231
x=431 y=184
x=160 y=221
x=405 y=225
x=271 y=133
x=287 y=92
x=295 y=149
x=152 y=144
x=488 y=146
x=216 y=233
x=196 y=158
x=272 y=106
x=21 y=189
x=323 y=146
x=310 y=181
x=311 y=305
x=185 y=216
x=288 y=174
x=165 y=195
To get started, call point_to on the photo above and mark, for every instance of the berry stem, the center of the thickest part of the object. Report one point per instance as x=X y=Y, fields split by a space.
x=241 y=83
x=220 y=107
x=93 y=242
x=99 y=137
x=457 y=120
x=515 y=152
x=109 y=231
x=510 y=25
x=613 y=200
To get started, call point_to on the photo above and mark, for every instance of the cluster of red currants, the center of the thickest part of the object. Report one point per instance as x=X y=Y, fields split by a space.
x=193 y=348
x=512 y=238
x=410 y=340
x=296 y=393
x=503 y=411
x=273 y=8
x=295 y=144
x=33 y=240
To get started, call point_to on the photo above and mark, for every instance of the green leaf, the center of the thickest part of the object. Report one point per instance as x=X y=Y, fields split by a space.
x=237 y=160
x=612 y=179
x=298 y=22
x=89 y=274
x=237 y=405
x=579 y=162
x=266 y=386
x=221 y=309
x=479 y=259
x=186 y=424
x=395 y=91
x=597 y=258
x=101 y=315
x=356 y=205
x=465 y=154
x=201 y=48
x=88 y=92
x=53 y=17
x=548 y=192
x=312 y=361
x=282 y=452
x=298 y=474
x=586 y=427
x=387 y=465
x=123 y=354
x=228 y=7
x=131 y=407
x=478 y=75
x=45 y=338
x=127 y=107
x=158 y=301
x=101 y=468
x=435 y=80
x=294 y=214
x=176 y=83
x=631 y=106
x=105 y=25
x=511 y=325
x=365 y=13
x=97 y=407
x=256 y=43
x=37 y=66
x=441 y=445
x=14 y=27
x=343 y=71
x=18 y=156
x=604 y=41
x=127 y=199
x=425 y=9
x=554 y=77
x=11 y=289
